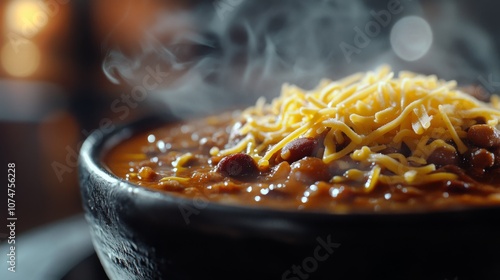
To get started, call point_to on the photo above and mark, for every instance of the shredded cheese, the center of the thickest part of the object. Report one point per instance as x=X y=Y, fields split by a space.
x=363 y=114
x=180 y=161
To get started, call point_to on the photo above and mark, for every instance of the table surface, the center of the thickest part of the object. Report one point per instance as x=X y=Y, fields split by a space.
x=62 y=250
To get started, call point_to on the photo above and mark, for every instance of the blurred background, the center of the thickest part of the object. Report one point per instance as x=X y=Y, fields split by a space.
x=72 y=67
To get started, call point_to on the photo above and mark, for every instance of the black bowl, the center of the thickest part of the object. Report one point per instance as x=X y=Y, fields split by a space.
x=139 y=233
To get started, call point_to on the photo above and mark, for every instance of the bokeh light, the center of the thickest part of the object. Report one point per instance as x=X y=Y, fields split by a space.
x=26 y=17
x=20 y=60
x=411 y=38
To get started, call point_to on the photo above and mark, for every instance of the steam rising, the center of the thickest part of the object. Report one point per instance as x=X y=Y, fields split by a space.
x=219 y=58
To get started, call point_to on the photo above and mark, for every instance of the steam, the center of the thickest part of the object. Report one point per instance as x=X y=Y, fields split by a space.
x=228 y=58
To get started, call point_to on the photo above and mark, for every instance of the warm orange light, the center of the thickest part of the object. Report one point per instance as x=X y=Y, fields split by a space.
x=26 y=17
x=22 y=60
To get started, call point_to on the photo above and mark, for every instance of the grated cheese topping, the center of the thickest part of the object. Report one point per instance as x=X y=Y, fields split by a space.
x=363 y=114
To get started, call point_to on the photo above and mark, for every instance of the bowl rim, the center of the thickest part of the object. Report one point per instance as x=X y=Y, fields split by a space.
x=98 y=143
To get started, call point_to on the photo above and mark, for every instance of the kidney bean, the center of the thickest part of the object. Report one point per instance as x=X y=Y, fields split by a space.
x=299 y=148
x=309 y=170
x=442 y=156
x=239 y=166
x=484 y=136
x=479 y=159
